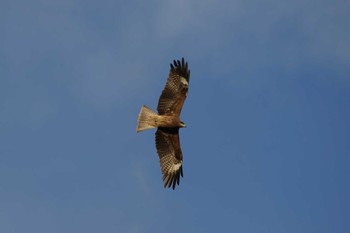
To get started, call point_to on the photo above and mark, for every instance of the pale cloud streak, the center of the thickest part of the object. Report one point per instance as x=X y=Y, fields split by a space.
x=109 y=65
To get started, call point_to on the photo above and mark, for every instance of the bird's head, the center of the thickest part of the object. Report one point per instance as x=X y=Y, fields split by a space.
x=182 y=124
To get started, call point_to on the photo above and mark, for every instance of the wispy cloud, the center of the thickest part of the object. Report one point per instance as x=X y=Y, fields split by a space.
x=108 y=63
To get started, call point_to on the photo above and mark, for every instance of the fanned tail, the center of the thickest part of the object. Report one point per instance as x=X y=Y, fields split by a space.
x=146 y=119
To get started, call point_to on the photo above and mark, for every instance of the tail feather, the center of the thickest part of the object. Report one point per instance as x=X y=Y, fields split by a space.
x=146 y=119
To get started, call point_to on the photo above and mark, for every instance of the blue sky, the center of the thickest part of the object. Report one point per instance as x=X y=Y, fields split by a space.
x=266 y=148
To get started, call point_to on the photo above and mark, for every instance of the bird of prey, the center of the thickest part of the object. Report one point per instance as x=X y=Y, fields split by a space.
x=168 y=122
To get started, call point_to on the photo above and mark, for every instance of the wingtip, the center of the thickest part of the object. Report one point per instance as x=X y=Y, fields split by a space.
x=171 y=180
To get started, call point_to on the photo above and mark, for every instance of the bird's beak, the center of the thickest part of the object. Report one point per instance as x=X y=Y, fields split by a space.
x=183 y=125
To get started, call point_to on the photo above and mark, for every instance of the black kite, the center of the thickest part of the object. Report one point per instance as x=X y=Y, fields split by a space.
x=168 y=122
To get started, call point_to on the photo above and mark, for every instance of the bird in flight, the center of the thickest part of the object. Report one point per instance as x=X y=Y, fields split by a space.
x=168 y=122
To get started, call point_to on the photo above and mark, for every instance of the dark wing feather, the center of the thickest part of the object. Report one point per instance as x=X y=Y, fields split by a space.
x=176 y=88
x=170 y=155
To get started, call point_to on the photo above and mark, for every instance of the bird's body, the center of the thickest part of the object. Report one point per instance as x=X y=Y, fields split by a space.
x=168 y=122
x=149 y=119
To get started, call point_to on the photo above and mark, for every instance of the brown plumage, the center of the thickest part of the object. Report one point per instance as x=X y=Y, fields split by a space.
x=168 y=122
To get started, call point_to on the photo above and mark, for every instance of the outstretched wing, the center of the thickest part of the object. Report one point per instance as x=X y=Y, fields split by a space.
x=176 y=88
x=170 y=155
